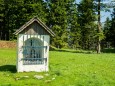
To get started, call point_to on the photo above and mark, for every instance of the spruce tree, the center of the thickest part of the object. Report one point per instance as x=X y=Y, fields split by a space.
x=106 y=31
x=1 y=19
x=73 y=26
x=58 y=22
x=14 y=13
x=87 y=23
x=112 y=29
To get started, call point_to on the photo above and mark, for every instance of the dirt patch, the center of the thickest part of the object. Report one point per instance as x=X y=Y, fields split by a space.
x=8 y=44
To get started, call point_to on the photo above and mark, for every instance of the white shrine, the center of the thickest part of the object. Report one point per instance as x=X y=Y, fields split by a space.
x=33 y=46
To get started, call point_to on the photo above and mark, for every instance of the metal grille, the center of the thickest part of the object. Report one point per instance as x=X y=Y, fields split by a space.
x=33 y=51
x=33 y=55
x=34 y=61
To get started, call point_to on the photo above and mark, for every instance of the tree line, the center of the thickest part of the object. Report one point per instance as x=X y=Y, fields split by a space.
x=76 y=25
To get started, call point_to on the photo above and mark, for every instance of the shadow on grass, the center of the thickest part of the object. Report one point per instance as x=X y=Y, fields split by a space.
x=82 y=51
x=108 y=50
x=8 y=68
x=75 y=51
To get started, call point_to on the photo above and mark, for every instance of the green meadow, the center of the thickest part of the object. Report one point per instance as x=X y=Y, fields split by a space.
x=66 y=68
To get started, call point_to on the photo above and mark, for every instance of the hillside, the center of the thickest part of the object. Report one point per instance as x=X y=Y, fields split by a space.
x=66 y=68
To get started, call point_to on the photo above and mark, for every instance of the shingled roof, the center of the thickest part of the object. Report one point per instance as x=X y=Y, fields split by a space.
x=30 y=22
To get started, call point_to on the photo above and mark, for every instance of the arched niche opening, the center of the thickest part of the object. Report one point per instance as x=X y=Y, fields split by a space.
x=33 y=52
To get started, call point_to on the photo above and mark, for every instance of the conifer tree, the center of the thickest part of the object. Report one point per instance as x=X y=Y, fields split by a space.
x=1 y=19
x=73 y=26
x=100 y=35
x=58 y=22
x=112 y=29
x=14 y=13
x=87 y=23
x=106 y=31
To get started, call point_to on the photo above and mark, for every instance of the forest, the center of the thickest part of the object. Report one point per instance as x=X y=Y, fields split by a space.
x=76 y=25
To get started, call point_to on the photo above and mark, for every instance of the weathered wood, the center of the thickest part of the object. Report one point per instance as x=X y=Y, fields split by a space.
x=35 y=26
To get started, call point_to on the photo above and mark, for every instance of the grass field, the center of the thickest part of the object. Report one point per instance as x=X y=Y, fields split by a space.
x=67 y=68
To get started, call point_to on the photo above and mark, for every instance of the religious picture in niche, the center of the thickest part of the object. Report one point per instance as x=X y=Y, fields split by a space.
x=32 y=51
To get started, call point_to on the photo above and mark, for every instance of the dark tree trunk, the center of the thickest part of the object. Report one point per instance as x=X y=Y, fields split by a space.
x=99 y=29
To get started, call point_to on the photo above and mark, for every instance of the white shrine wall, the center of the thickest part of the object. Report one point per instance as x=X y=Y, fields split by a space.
x=39 y=67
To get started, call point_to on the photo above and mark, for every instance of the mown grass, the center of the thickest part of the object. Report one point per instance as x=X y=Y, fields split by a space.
x=66 y=68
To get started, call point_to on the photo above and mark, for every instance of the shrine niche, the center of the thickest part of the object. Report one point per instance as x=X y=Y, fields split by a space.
x=33 y=46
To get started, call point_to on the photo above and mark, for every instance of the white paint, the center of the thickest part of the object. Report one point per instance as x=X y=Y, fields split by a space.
x=20 y=55
x=38 y=67
x=46 y=42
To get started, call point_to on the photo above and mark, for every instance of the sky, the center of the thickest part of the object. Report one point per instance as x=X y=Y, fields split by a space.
x=104 y=15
